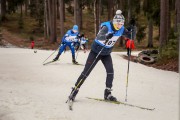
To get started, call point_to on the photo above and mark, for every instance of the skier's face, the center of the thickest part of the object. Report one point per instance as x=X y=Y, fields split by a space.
x=118 y=25
x=75 y=31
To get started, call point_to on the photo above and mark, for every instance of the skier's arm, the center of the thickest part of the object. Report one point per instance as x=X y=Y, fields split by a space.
x=103 y=34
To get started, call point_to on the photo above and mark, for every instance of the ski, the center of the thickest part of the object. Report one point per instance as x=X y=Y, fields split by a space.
x=78 y=64
x=49 y=62
x=118 y=102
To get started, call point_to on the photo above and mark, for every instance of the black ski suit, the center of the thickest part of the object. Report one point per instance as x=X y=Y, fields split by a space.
x=105 y=57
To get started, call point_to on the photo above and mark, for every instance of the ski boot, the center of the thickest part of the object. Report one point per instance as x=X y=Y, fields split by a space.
x=73 y=94
x=56 y=58
x=74 y=61
x=108 y=95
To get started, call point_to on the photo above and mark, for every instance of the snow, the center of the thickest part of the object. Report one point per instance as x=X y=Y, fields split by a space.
x=31 y=91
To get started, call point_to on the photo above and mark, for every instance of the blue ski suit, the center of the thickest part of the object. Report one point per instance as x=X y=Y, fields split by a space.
x=68 y=39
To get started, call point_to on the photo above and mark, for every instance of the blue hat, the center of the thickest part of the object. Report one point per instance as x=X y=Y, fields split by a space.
x=75 y=27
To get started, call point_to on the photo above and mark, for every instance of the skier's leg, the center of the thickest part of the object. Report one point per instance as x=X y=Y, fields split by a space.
x=90 y=64
x=61 y=49
x=107 y=62
x=71 y=46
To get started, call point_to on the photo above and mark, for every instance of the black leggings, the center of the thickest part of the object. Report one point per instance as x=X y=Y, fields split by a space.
x=107 y=62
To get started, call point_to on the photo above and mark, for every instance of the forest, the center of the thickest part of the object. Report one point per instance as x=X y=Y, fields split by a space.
x=46 y=21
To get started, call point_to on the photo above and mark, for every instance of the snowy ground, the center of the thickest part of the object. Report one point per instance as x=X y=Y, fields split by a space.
x=31 y=91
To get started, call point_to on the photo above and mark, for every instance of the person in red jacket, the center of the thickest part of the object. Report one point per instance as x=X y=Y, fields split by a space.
x=129 y=46
x=32 y=44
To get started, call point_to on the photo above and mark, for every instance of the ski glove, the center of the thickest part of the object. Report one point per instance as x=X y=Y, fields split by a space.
x=109 y=36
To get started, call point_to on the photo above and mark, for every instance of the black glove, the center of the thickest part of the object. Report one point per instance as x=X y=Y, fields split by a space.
x=63 y=42
x=109 y=36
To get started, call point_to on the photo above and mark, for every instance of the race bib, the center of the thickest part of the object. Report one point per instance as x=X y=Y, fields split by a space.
x=71 y=38
x=110 y=43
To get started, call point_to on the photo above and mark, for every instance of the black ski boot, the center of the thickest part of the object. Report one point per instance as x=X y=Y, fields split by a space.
x=73 y=94
x=108 y=96
x=74 y=61
x=56 y=58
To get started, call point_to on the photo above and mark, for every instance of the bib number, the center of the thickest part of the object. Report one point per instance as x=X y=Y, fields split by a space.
x=110 y=43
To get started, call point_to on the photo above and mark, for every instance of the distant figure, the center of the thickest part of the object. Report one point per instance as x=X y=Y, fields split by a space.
x=32 y=44
x=81 y=43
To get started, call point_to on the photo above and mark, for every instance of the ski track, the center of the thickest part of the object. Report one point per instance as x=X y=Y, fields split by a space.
x=31 y=91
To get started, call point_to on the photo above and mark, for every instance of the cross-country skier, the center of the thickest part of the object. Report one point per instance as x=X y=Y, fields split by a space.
x=107 y=36
x=68 y=39
x=81 y=43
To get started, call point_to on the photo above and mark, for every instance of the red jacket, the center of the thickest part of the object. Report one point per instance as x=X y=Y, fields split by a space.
x=130 y=44
x=32 y=44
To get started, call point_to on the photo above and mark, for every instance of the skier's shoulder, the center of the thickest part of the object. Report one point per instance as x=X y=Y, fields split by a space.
x=69 y=32
x=107 y=23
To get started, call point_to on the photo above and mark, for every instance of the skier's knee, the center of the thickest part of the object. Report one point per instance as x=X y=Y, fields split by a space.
x=84 y=76
x=110 y=75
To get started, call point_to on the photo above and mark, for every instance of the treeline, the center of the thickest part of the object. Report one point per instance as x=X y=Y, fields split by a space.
x=164 y=14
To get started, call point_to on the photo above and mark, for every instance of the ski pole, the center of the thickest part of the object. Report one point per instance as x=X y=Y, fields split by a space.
x=78 y=49
x=129 y=55
x=51 y=54
x=76 y=87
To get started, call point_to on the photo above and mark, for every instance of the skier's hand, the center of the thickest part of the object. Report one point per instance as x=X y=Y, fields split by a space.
x=109 y=36
x=61 y=44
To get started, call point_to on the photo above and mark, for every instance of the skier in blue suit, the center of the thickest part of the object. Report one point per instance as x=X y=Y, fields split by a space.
x=106 y=38
x=68 y=39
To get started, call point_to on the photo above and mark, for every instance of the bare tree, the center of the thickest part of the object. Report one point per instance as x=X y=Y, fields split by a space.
x=163 y=23
x=177 y=9
x=61 y=2
x=3 y=10
x=129 y=10
x=52 y=20
x=76 y=13
x=97 y=15
x=150 y=33
x=110 y=9
x=46 y=22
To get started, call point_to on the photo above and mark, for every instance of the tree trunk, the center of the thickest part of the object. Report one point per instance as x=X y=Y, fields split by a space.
x=61 y=2
x=64 y=12
x=150 y=33
x=52 y=19
x=46 y=28
x=46 y=35
x=3 y=10
x=80 y=16
x=168 y=20
x=178 y=24
x=129 y=10
x=76 y=13
x=26 y=7
x=163 y=24
x=110 y=9
x=96 y=15
x=58 y=10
